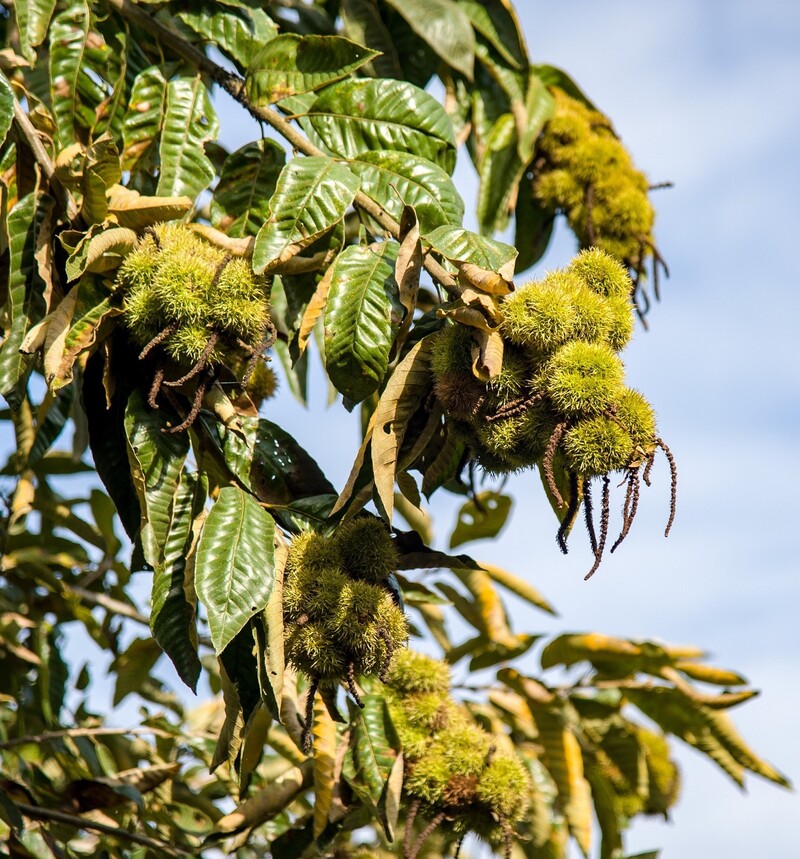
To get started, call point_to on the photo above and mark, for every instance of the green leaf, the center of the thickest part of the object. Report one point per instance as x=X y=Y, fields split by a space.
x=33 y=18
x=363 y=24
x=241 y=199
x=100 y=250
x=234 y=568
x=395 y=179
x=361 y=318
x=292 y=65
x=156 y=461
x=518 y=586
x=6 y=107
x=50 y=424
x=172 y=613
x=533 y=226
x=269 y=462
x=142 y=123
x=25 y=293
x=497 y=22
x=463 y=246
x=101 y=170
x=481 y=518
x=189 y=121
x=552 y=76
x=312 y=195
x=69 y=34
x=358 y=116
x=238 y=31
x=133 y=667
x=444 y=466
x=500 y=170
x=373 y=749
x=445 y=27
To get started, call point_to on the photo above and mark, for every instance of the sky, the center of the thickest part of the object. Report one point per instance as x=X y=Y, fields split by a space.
x=705 y=96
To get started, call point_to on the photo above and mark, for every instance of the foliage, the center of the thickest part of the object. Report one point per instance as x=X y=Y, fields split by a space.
x=146 y=271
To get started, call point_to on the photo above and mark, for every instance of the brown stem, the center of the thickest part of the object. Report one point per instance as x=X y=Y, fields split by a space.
x=40 y=154
x=604 y=517
x=155 y=388
x=651 y=458
x=561 y=537
x=515 y=407
x=673 y=495
x=234 y=86
x=307 y=728
x=425 y=834
x=588 y=516
x=350 y=681
x=410 y=818
x=547 y=462
x=196 y=404
x=200 y=365
x=159 y=338
x=162 y=847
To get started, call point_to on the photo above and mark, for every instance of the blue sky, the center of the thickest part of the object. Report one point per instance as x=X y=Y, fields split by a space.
x=705 y=95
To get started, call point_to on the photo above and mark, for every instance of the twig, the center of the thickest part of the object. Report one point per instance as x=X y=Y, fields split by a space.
x=39 y=813
x=43 y=159
x=410 y=818
x=81 y=732
x=425 y=834
x=234 y=86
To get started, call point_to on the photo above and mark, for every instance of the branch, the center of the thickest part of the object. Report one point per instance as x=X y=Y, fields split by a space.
x=82 y=732
x=118 y=607
x=31 y=135
x=234 y=86
x=39 y=813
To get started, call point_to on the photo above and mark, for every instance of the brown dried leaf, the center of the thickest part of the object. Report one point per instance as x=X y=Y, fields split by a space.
x=314 y=310
x=487 y=355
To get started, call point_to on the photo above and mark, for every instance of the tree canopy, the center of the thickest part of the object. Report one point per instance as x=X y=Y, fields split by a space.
x=150 y=278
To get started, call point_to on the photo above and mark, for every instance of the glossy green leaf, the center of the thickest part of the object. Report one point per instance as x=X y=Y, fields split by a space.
x=241 y=199
x=312 y=196
x=189 y=121
x=269 y=462
x=291 y=64
x=481 y=518
x=33 y=18
x=499 y=171
x=239 y=32
x=142 y=123
x=445 y=27
x=101 y=170
x=6 y=107
x=395 y=179
x=25 y=292
x=363 y=24
x=373 y=749
x=533 y=225
x=463 y=246
x=358 y=116
x=156 y=461
x=68 y=37
x=234 y=570
x=498 y=23
x=552 y=76
x=361 y=318
x=172 y=612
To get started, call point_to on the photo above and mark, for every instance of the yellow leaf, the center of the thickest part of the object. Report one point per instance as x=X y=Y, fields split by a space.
x=709 y=674
x=324 y=732
x=492 y=282
x=55 y=340
x=133 y=210
x=407 y=269
x=239 y=247
x=314 y=310
x=487 y=355
x=518 y=586
x=490 y=608
x=255 y=738
x=406 y=389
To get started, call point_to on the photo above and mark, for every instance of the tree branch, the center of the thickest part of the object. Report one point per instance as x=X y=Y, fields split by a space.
x=81 y=732
x=31 y=136
x=39 y=813
x=234 y=86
